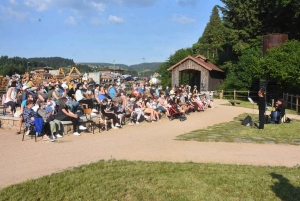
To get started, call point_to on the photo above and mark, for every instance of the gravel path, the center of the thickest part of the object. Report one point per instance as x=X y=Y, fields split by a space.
x=148 y=142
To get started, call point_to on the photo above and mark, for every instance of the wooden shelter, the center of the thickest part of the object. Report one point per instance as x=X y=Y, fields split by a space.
x=202 y=73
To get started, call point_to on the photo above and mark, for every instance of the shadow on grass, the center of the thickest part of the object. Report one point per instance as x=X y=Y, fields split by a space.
x=284 y=190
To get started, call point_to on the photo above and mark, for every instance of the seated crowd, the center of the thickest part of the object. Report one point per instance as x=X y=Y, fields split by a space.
x=51 y=103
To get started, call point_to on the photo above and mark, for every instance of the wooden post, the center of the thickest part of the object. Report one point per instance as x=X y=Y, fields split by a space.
x=291 y=101
x=297 y=103
x=221 y=94
x=272 y=103
x=234 y=94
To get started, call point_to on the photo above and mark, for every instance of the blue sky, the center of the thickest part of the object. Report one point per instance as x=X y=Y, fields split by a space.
x=101 y=30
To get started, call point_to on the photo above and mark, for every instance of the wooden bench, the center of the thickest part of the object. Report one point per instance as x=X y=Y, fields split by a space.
x=234 y=102
x=65 y=125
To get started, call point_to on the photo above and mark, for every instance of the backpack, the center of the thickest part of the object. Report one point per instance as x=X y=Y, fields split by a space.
x=247 y=121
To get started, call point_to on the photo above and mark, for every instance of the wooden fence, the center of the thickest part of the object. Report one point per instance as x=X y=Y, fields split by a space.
x=292 y=101
x=237 y=95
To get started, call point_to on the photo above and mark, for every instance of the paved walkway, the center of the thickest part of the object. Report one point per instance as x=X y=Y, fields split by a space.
x=20 y=161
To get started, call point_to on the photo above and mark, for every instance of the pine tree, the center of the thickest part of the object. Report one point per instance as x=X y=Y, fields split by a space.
x=213 y=37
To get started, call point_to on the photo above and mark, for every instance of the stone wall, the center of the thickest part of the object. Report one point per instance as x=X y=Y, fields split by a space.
x=10 y=123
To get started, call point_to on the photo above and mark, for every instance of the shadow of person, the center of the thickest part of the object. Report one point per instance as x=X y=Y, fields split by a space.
x=283 y=189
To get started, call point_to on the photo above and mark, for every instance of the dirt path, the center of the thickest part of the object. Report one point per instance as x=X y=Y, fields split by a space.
x=148 y=141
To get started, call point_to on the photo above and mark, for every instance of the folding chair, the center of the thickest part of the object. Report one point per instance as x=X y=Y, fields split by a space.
x=34 y=128
x=4 y=104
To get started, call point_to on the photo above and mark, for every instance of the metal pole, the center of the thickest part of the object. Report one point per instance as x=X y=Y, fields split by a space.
x=114 y=70
x=143 y=66
x=114 y=67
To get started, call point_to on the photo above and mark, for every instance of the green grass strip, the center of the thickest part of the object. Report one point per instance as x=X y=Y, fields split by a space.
x=124 y=180
x=233 y=131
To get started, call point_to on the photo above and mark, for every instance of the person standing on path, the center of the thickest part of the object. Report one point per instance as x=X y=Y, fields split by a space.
x=261 y=108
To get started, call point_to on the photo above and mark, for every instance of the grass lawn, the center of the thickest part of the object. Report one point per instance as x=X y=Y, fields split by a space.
x=123 y=180
x=233 y=131
x=247 y=104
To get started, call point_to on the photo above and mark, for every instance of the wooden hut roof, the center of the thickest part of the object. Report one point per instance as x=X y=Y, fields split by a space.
x=201 y=60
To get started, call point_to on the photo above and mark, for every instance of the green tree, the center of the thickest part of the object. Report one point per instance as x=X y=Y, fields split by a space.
x=248 y=20
x=213 y=37
x=241 y=75
x=282 y=64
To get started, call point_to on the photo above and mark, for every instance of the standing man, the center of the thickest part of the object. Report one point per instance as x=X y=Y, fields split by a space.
x=261 y=108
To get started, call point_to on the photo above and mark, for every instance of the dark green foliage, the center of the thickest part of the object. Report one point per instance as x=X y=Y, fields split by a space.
x=10 y=66
x=249 y=20
x=54 y=62
x=213 y=38
x=283 y=65
x=235 y=42
x=241 y=75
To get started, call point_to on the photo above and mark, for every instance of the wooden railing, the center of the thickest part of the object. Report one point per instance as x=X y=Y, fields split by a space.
x=236 y=95
x=292 y=101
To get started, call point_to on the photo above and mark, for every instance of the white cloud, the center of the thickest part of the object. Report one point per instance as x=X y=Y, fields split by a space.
x=137 y=3
x=12 y=13
x=115 y=19
x=98 y=6
x=97 y=21
x=184 y=3
x=39 y=5
x=13 y=2
x=182 y=19
x=71 y=20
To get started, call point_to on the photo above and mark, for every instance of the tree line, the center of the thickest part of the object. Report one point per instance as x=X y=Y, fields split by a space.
x=10 y=66
x=234 y=43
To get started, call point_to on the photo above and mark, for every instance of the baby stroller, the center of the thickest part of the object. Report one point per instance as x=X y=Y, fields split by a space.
x=175 y=113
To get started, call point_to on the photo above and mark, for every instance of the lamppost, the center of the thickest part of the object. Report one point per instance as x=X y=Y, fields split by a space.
x=143 y=66
x=114 y=67
x=27 y=65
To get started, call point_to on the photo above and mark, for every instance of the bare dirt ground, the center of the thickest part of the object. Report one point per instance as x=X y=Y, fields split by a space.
x=20 y=161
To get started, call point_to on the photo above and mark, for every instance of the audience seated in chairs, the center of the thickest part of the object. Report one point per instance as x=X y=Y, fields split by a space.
x=64 y=114
x=129 y=110
x=124 y=106
x=106 y=111
x=50 y=120
x=81 y=99
x=149 y=109
x=31 y=119
x=57 y=94
x=139 y=107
